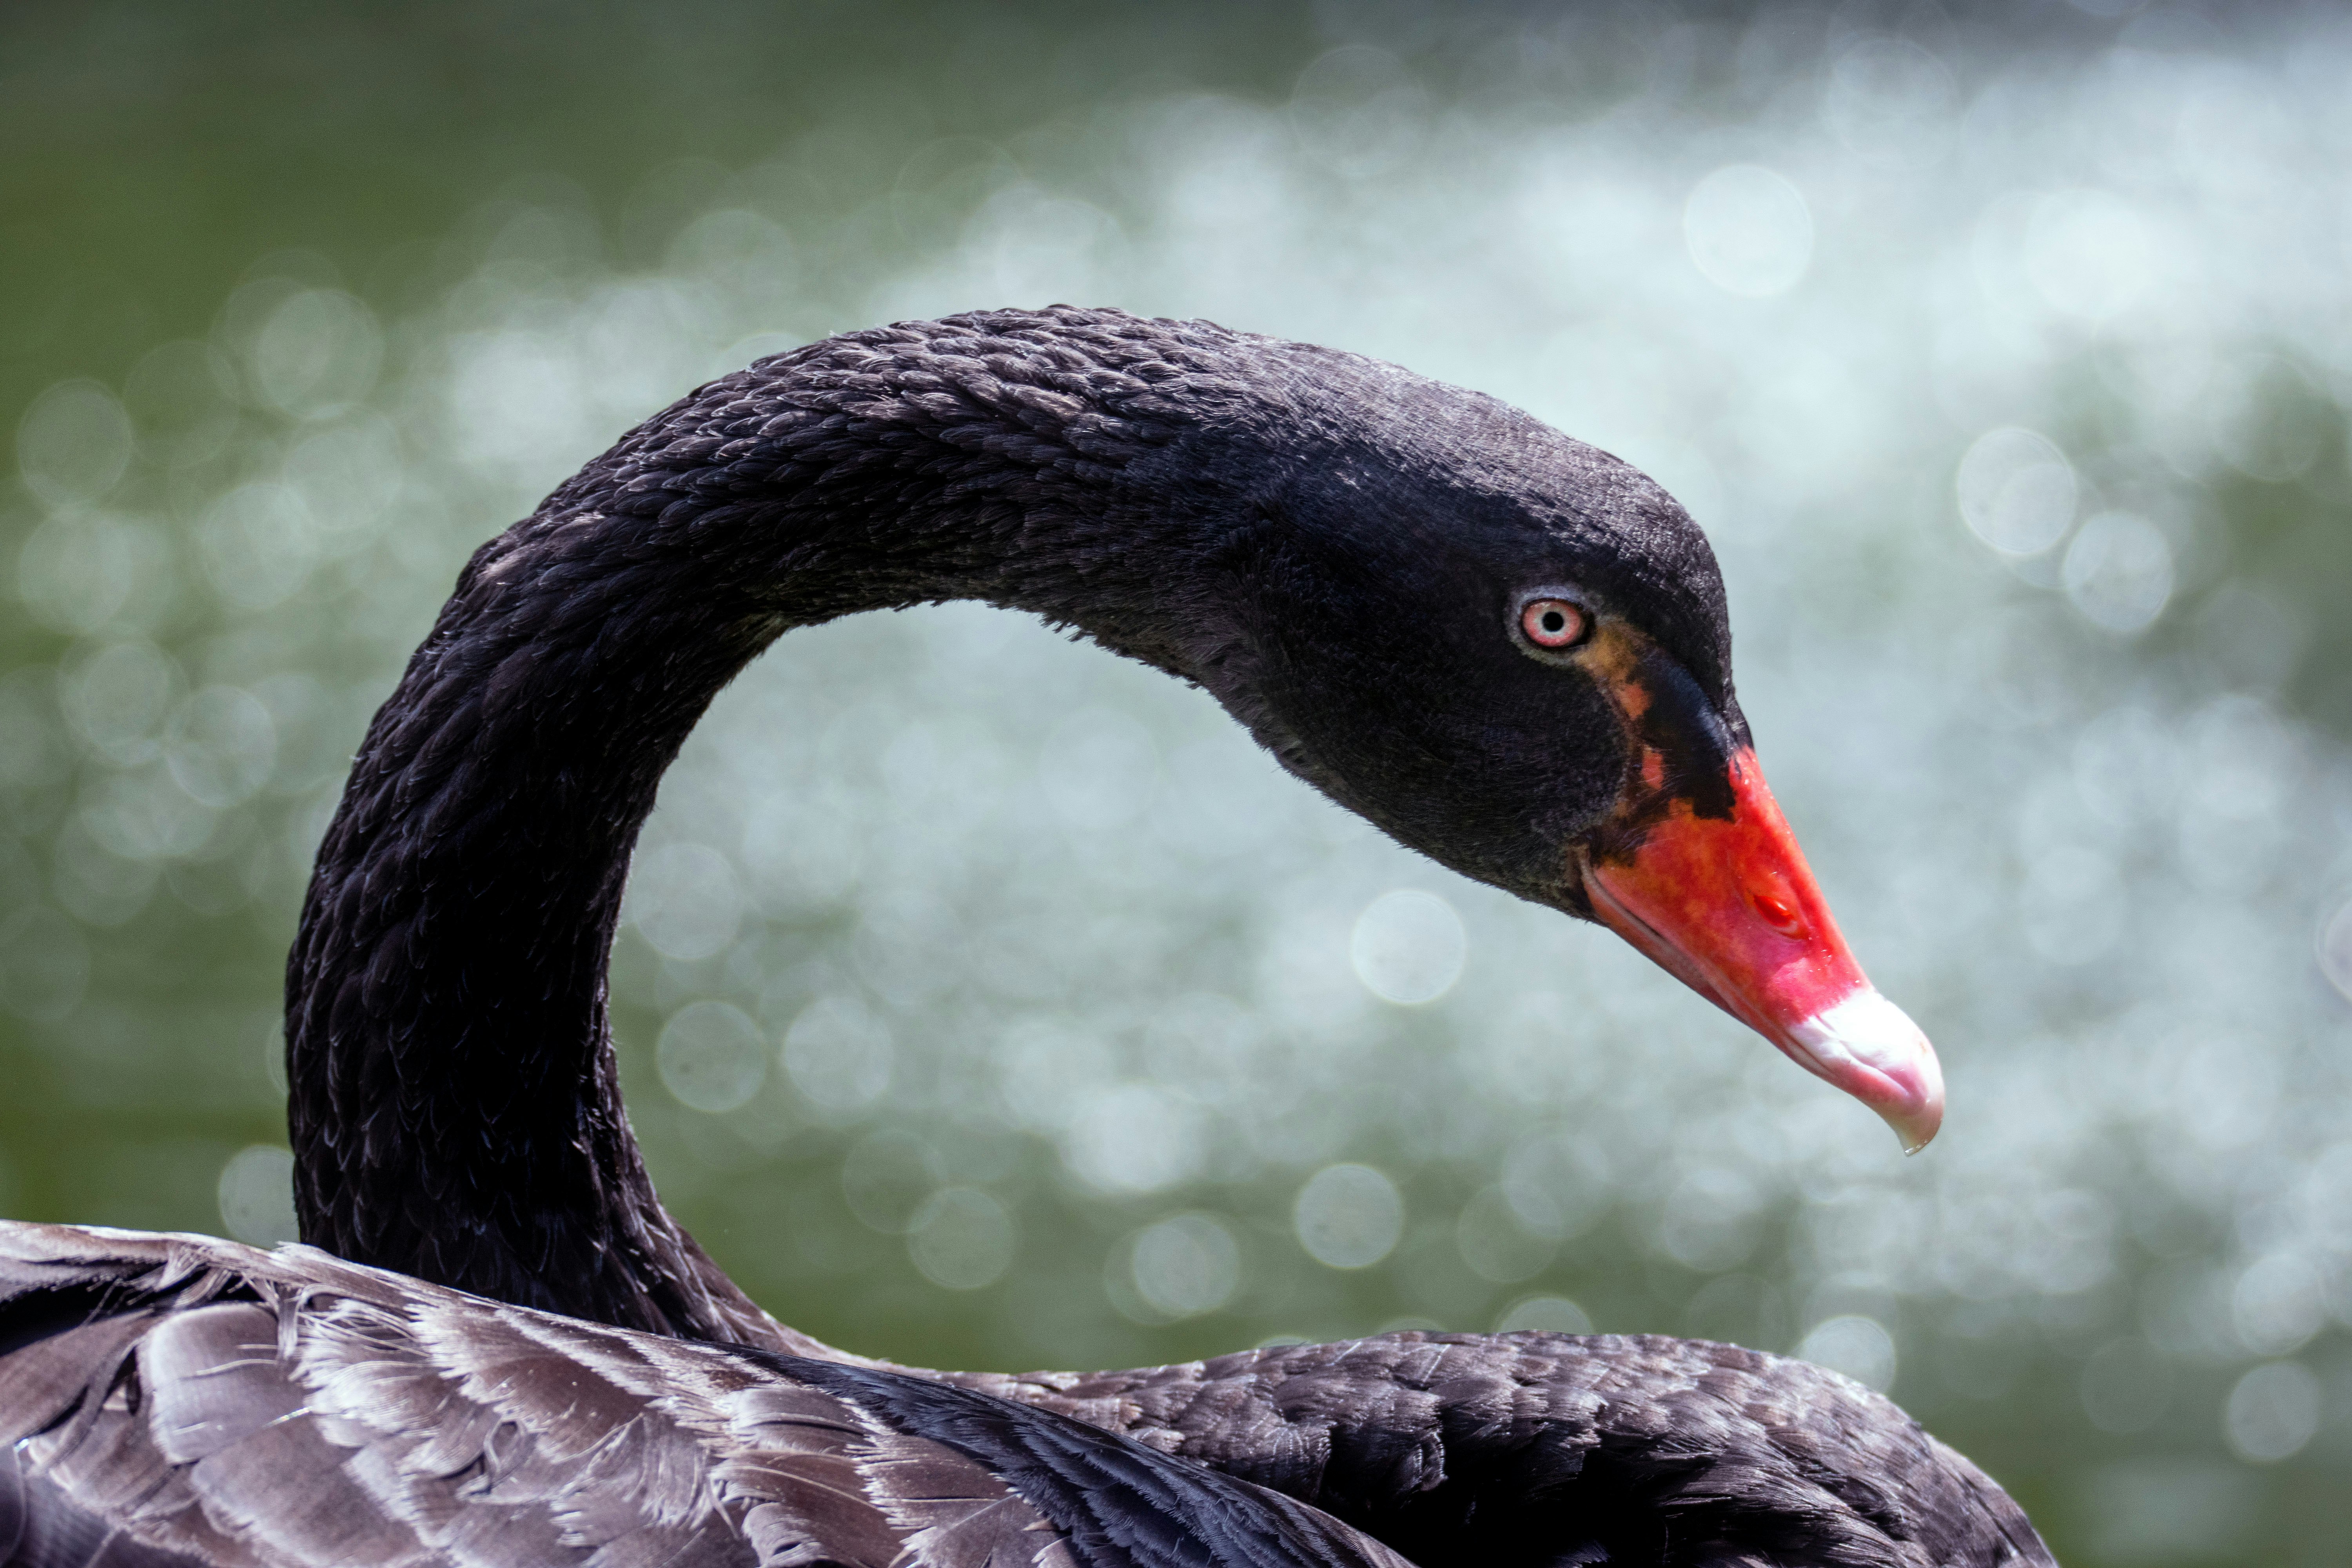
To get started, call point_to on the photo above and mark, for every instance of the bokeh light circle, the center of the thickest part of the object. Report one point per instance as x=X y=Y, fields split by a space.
x=1408 y=947
x=1748 y=231
x=712 y=1057
x=1348 y=1217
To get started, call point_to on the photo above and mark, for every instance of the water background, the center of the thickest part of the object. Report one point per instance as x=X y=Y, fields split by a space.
x=987 y=1002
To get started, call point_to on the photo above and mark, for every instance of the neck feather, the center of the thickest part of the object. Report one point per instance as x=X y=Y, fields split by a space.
x=456 y=1110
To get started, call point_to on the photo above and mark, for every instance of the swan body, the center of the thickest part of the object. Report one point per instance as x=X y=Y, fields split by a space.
x=1504 y=647
x=178 y=1402
x=174 y=1401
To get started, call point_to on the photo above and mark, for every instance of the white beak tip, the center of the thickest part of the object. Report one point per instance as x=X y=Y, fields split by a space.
x=1913 y=1137
x=1870 y=1047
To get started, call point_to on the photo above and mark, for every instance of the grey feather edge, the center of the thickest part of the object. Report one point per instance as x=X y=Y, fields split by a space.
x=242 y=1407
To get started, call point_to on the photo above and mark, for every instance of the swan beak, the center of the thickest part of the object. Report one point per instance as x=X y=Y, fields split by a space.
x=1726 y=904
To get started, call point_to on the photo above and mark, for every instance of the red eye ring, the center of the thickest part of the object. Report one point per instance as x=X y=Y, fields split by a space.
x=1554 y=623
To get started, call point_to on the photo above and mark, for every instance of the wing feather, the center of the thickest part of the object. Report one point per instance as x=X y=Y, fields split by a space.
x=186 y=1401
x=952 y=1512
x=1597 y=1446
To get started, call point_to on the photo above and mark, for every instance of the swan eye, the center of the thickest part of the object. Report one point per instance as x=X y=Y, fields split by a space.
x=1554 y=623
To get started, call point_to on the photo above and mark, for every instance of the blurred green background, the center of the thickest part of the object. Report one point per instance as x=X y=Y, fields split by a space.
x=985 y=1002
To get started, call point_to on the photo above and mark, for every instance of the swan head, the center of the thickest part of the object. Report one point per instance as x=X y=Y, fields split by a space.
x=1510 y=650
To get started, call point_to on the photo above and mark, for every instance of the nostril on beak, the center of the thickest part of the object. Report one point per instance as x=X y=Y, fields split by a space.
x=1778 y=912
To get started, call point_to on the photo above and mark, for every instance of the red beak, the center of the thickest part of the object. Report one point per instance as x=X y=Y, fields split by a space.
x=1728 y=905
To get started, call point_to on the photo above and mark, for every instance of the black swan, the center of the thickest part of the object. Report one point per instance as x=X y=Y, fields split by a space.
x=1506 y=649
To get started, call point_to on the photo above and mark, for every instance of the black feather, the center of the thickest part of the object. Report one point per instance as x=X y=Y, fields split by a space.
x=236 y=1409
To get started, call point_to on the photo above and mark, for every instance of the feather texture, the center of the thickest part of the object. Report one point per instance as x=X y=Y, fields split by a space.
x=176 y=1400
x=1510 y=1448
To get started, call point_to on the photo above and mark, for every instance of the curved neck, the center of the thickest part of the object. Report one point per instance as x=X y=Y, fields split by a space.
x=456 y=1110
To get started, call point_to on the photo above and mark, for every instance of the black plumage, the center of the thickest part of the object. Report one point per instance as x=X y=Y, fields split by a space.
x=177 y=1400
x=1330 y=546
x=167 y=1402
x=1535 y=1448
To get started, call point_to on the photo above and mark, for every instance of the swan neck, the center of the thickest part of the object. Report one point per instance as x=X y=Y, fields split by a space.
x=456 y=1110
